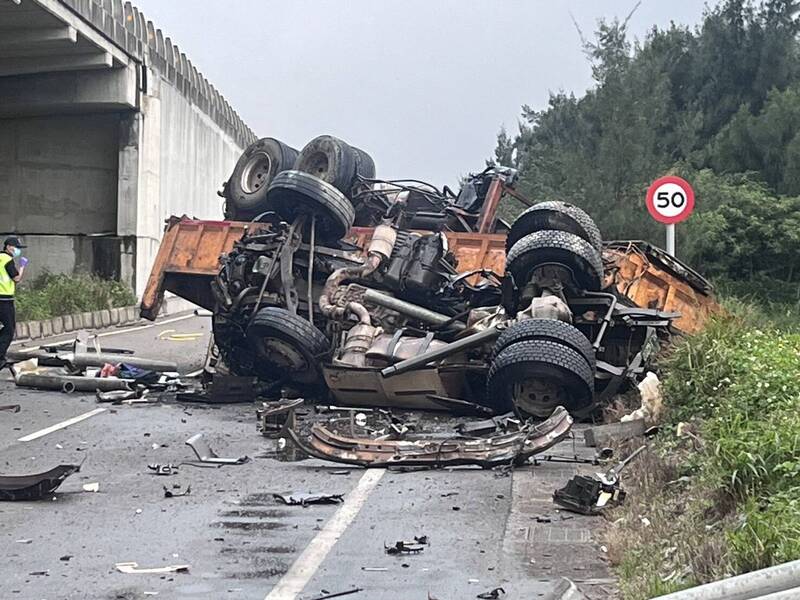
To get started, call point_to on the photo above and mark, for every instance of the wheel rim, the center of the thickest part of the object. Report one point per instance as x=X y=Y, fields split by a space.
x=318 y=165
x=255 y=174
x=539 y=396
x=284 y=358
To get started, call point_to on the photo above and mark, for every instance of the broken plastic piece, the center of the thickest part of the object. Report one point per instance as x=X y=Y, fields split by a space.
x=303 y=499
x=36 y=486
x=91 y=487
x=207 y=455
x=509 y=448
x=132 y=567
x=168 y=493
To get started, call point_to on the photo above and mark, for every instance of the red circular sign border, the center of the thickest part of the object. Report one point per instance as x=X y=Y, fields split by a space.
x=684 y=185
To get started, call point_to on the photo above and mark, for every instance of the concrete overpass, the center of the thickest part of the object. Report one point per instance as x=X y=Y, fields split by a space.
x=106 y=129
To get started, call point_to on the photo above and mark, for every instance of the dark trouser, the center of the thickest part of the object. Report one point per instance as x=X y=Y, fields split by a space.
x=8 y=319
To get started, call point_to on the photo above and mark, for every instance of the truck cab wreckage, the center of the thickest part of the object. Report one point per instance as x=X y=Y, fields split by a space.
x=370 y=293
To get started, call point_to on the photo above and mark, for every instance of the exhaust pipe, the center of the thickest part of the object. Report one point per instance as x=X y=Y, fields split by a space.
x=476 y=339
x=410 y=310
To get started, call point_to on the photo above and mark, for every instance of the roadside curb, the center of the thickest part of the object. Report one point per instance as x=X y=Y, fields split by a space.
x=99 y=319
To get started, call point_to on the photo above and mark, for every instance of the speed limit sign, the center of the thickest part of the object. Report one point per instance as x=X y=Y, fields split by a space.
x=670 y=200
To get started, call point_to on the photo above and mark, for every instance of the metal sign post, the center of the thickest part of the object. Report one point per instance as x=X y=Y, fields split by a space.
x=671 y=239
x=670 y=200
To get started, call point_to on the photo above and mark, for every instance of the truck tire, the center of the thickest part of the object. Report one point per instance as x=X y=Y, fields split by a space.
x=293 y=193
x=535 y=376
x=560 y=247
x=556 y=215
x=546 y=329
x=365 y=166
x=287 y=347
x=254 y=171
x=329 y=159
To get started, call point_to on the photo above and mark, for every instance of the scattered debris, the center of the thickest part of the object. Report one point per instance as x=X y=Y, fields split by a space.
x=132 y=567
x=304 y=499
x=168 y=469
x=91 y=487
x=327 y=595
x=403 y=547
x=36 y=486
x=206 y=455
x=591 y=495
x=492 y=594
x=15 y=408
x=170 y=493
x=275 y=417
x=510 y=448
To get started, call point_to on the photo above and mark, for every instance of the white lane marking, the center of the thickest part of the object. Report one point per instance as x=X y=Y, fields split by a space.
x=303 y=569
x=62 y=425
x=119 y=331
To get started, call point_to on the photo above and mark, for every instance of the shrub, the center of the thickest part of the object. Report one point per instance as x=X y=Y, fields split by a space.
x=52 y=295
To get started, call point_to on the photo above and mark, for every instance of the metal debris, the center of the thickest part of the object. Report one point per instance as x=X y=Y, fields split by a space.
x=338 y=594
x=15 y=408
x=133 y=567
x=403 y=547
x=168 y=469
x=36 y=486
x=170 y=493
x=304 y=499
x=510 y=448
x=492 y=594
x=206 y=455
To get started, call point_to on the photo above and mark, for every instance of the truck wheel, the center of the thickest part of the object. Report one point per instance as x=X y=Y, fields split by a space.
x=329 y=159
x=294 y=193
x=286 y=346
x=556 y=215
x=556 y=247
x=365 y=166
x=534 y=377
x=546 y=329
x=257 y=167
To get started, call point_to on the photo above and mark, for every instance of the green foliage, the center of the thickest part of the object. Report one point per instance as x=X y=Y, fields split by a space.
x=53 y=295
x=736 y=387
x=724 y=96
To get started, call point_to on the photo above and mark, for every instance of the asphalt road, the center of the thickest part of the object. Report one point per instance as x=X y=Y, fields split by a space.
x=485 y=530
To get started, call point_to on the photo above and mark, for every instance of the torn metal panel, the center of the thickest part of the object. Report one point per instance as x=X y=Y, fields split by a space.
x=36 y=486
x=206 y=455
x=490 y=452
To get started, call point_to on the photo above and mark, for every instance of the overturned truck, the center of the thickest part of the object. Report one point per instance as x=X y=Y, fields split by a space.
x=397 y=294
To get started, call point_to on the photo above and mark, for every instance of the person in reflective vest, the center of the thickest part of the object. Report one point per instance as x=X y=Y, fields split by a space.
x=10 y=275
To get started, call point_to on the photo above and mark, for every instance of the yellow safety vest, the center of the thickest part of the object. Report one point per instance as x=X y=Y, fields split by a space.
x=7 y=285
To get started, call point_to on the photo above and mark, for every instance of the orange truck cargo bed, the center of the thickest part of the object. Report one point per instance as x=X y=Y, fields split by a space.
x=188 y=260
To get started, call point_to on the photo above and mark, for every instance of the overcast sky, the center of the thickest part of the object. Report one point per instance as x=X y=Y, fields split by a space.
x=422 y=85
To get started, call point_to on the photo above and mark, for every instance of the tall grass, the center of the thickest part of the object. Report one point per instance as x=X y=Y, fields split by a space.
x=736 y=505
x=52 y=295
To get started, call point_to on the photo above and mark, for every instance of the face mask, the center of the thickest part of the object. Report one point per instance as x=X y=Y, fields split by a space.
x=17 y=252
